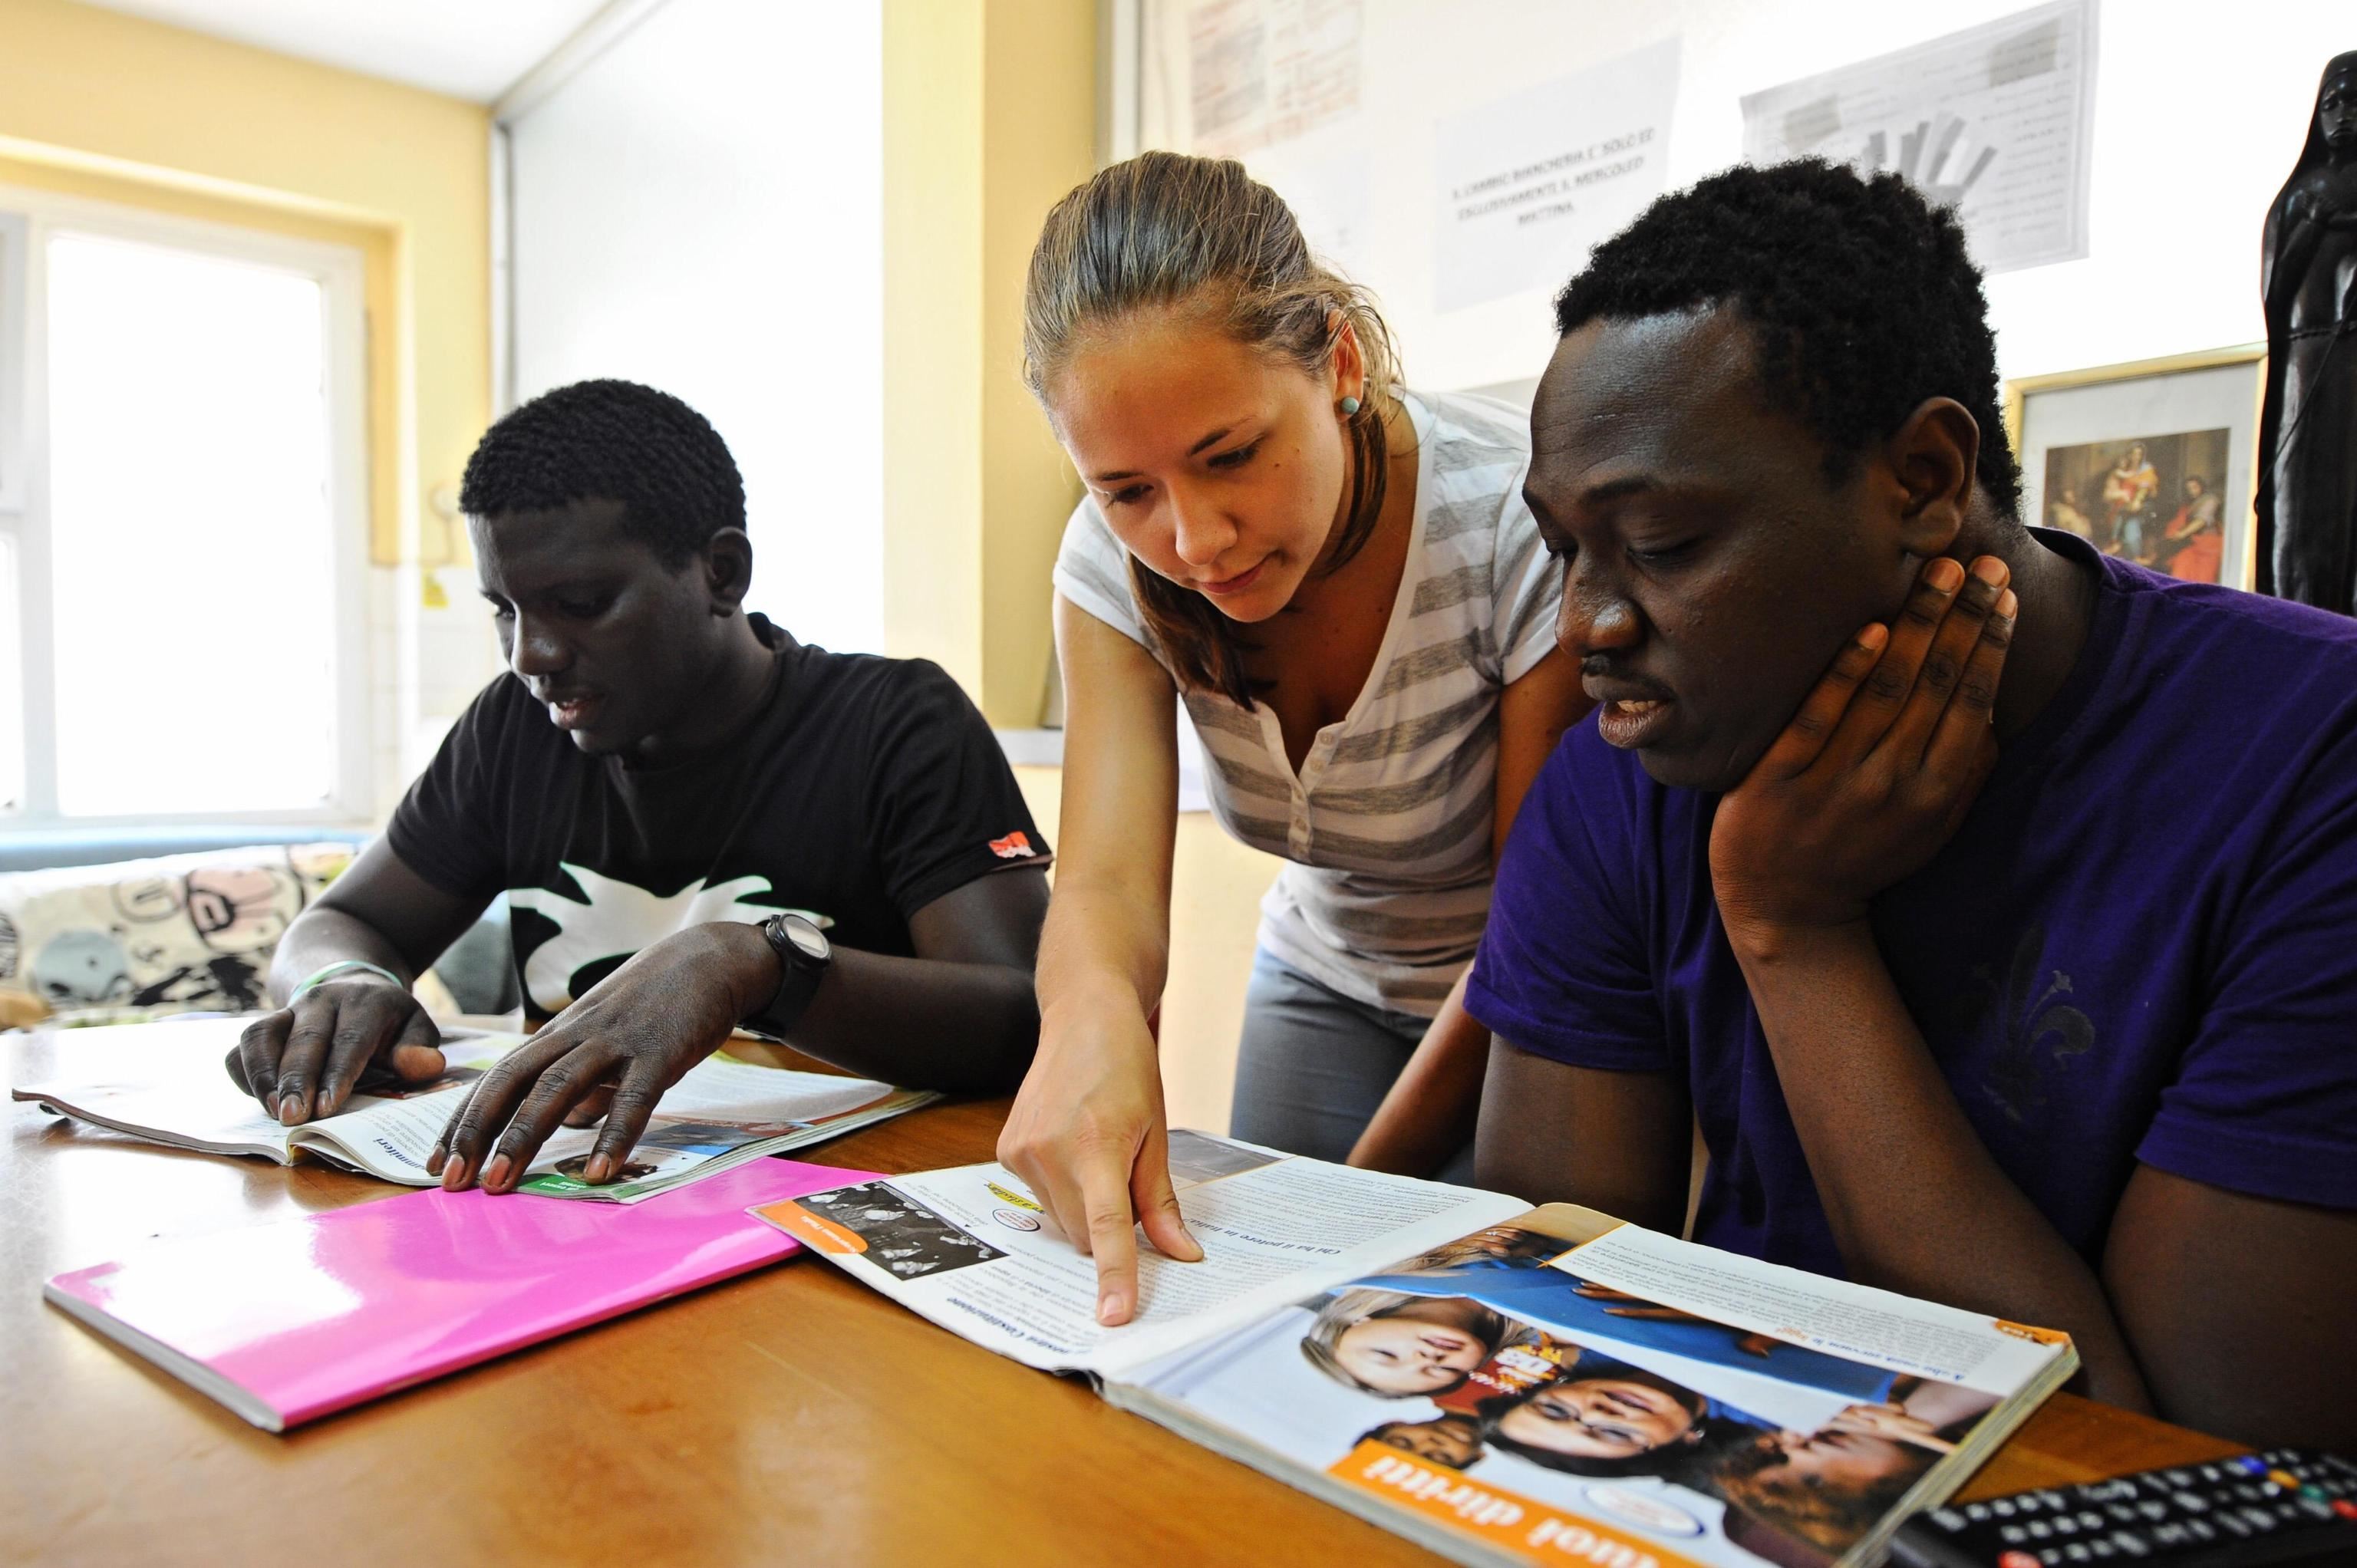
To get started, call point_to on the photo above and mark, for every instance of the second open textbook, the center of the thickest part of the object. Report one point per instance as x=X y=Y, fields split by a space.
x=164 y=1082
x=1502 y=1384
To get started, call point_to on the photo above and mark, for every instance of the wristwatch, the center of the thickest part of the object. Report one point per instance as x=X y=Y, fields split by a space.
x=803 y=956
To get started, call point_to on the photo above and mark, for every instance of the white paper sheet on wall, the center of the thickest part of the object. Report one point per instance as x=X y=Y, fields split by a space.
x=1993 y=121
x=1261 y=72
x=1527 y=185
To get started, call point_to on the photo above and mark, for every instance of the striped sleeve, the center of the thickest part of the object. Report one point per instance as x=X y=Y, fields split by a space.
x=1527 y=584
x=1093 y=570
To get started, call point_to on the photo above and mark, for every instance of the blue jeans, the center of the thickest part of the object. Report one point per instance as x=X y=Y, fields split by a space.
x=1314 y=1066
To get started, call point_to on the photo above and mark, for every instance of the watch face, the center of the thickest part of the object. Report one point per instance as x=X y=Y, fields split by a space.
x=806 y=937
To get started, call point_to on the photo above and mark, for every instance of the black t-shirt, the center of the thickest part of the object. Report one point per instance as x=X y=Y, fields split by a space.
x=863 y=789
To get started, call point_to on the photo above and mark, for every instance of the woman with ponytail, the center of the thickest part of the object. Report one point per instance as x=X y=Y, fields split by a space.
x=1337 y=578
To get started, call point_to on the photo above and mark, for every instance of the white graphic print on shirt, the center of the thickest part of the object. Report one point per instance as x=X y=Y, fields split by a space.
x=619 y=919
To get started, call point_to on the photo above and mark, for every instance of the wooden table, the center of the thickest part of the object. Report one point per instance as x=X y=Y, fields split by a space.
x=788 y=1417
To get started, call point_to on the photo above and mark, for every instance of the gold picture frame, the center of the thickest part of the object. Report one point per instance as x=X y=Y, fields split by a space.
x=2163 y=426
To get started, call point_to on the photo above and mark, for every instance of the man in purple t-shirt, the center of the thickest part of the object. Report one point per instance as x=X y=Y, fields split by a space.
x=1992 y=906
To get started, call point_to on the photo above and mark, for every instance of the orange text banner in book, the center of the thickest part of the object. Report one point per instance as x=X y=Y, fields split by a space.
x=1534 y=1531
x=813 y=1230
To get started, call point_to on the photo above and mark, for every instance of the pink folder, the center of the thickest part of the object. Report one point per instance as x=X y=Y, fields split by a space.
x=287 y=1322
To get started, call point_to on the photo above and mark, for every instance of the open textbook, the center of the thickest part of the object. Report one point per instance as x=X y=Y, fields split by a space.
x=1499 y=1384
x=720 y=1114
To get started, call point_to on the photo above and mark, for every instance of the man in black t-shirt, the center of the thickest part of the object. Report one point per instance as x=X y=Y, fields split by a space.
x=698 y=822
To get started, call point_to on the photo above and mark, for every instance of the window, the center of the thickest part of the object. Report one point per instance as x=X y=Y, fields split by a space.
x=180 y=558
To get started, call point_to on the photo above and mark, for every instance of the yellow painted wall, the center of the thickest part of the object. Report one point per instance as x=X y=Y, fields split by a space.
x=989 y=116
x=1040 y=112
x=932 y=335
x=109 y=106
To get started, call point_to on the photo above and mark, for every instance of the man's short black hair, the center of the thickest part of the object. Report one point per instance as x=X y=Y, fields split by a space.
x=611 y=441
x=1860 y=294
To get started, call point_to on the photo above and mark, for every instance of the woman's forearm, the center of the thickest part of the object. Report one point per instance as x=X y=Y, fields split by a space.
x=1099 y=945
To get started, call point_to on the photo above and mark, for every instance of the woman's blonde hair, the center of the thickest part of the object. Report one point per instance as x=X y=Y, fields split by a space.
x=1163 y=231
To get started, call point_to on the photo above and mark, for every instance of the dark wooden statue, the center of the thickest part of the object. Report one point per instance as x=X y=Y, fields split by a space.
x=2308 y=426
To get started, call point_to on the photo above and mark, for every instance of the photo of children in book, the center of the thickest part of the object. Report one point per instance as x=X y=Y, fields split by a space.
x=903 y=1237
x=1483 y=1360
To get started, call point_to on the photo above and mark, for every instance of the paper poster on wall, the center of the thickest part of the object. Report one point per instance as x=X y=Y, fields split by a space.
x=1993 y=121
x=1261 y=72
x=1526 y=185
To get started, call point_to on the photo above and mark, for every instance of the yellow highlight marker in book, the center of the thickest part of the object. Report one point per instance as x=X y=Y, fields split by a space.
x=1016 y=1199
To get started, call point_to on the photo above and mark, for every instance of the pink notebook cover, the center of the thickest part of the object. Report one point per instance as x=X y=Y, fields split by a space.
x=287 y=1322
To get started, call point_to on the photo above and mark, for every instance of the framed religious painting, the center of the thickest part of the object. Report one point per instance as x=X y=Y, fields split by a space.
x=2153 y=461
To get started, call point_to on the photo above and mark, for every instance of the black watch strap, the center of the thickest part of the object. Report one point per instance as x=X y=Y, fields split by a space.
x=803 y=957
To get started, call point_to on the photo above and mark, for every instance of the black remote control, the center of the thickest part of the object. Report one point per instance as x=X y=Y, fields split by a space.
x=2288 y=1506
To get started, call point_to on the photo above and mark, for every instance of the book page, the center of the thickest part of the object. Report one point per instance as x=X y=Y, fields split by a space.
x=972 y=1249
x=1880 y=1326
x=720 y=1115
x=166 y=1083
x=392 y=1138
x=207 y=1113
x=717 y=1109
x=1542 y=1388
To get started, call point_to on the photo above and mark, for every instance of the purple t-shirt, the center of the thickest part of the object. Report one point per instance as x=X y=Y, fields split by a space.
x=2140 y=946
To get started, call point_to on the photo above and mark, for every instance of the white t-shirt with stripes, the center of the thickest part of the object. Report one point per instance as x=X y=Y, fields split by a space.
x=1387 y=825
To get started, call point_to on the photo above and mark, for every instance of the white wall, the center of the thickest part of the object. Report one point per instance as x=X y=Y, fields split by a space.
x=699 y=210
x=2201 y=109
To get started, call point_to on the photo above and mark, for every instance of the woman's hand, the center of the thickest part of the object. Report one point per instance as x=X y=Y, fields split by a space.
x=1876 y=771
x=1087 y=1135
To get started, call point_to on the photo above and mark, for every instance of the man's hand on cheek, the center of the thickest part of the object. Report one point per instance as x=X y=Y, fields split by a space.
x=1877 y=769
x=614 y=1051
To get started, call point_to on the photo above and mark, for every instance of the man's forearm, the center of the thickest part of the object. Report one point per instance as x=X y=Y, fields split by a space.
x=922 y=1023
x=1430 y=1111
x=319 y=937
x=1915 y=1200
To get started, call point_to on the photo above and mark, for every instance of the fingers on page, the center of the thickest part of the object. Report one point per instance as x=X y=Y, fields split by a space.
x=416 y=1053
x=487 y=1107
x=258 y=1049
x=632 y=1103
x=361 y=1024
x=1112 y=1236
x=307 y=1051
x=1157 y=1208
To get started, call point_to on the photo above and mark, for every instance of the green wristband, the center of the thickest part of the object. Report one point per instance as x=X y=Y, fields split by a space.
x=342 y=966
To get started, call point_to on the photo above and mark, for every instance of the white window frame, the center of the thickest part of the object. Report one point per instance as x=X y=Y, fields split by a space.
x=27 y=219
